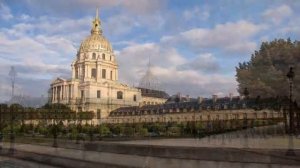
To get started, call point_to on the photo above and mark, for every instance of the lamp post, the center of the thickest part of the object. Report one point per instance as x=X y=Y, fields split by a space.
x=290 y=75
x=246 y=93
x=55 y=130
x=12 y=138
x=1 y=135
x=12 y=74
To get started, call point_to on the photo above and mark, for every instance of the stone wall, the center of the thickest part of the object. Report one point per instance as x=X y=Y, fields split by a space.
x=204 y=115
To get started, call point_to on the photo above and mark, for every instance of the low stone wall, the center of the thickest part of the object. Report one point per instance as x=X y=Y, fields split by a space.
x=262 y=156
x=160 y=156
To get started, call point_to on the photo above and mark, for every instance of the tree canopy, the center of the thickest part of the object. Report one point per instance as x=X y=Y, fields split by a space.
x=265 y=73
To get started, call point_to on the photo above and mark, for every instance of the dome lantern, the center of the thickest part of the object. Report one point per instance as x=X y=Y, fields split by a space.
x=96 y=41
x=96 y=29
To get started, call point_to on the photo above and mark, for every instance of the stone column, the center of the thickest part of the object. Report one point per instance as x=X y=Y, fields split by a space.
x=86 y=71
x=79 y=72
x=98 y=68
x=55 y=93
x=73 y=71
x=67 y=91
x=52 y=94
x=62 y=92
x=116 y=73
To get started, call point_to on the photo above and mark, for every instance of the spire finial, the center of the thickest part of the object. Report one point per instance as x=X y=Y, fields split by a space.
x=97 y=13
x=149 y=63
x=96 y=29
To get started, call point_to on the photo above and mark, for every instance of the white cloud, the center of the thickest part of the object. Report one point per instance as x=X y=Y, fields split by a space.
x=293 y=27
x=232 y=37
x=204 y=62
x=5 y=12
x=137 y=7
x=196 y=13
x=167 y=66
x=278 y=14
x=143 y=6
x=120 y=24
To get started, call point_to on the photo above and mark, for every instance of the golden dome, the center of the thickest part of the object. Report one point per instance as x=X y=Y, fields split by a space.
x=96 y=41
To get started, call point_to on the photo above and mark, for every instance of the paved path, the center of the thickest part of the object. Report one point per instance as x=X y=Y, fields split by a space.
x=129 y=160
x=237 y=140
x=7 y=162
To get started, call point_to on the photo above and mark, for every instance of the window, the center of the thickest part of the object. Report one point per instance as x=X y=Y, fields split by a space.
x=103 y=73
x=98 y=94
x=110 y=58
x=94 y=72
x=83 y=71
x=76 y=73
x=82 y=94
x=98 y=113
x=103 y=56
x=119 y=95
x=134 y=97
x=111 y=74
x=94 y=56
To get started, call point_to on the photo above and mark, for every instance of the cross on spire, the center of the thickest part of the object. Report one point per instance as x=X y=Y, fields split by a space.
x=96 y=29
x=97 y=13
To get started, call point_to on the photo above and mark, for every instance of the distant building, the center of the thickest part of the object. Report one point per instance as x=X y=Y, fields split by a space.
x=94 y=83
x=28 y=101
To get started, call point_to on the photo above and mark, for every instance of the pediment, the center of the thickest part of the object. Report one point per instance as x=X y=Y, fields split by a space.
x=58 y=80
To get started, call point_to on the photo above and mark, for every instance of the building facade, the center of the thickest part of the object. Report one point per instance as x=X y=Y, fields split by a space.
x=94 y=83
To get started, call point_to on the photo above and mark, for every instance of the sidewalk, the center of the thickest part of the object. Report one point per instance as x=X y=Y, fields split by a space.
x=147 y=156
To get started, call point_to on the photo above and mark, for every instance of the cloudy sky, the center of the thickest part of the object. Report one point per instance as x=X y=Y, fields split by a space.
x=194 y=45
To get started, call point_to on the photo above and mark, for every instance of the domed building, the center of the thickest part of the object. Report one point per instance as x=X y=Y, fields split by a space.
x=94 y=84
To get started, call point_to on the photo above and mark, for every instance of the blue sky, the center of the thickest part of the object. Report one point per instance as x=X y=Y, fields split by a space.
x=194 y=45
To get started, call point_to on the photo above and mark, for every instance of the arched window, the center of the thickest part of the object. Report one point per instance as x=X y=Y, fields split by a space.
x=103 y=56
x=94 y=56
x=119 y=95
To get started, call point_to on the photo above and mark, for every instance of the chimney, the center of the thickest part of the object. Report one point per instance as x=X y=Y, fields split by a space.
x=230 y=96
x=187 y=97
x=214 y=97
x=200 y=99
